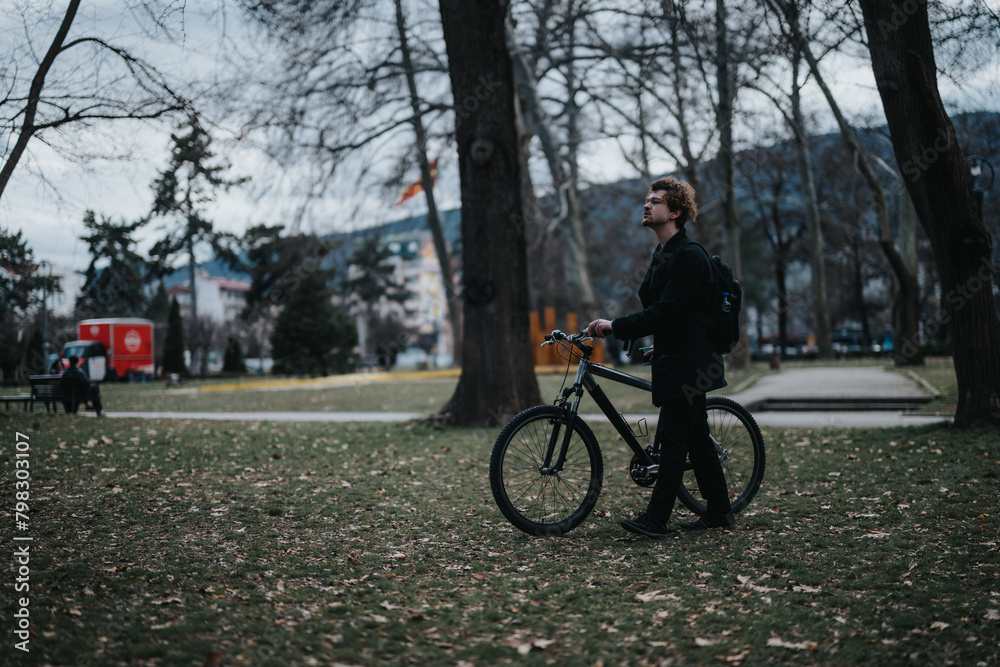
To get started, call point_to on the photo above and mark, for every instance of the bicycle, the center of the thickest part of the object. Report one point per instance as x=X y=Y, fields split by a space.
x=545 y=484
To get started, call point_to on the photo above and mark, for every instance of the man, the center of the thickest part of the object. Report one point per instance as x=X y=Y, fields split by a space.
x=77 y=388
x=675 y=296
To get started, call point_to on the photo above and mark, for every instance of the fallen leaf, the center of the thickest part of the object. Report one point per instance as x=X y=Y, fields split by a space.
x=938 y=625
x=174 y=600
x=734 y=659
x=806 y=589
x=778 y=642
x=647 y=597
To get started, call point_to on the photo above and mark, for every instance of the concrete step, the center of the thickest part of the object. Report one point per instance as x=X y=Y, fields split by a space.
x=895 y=403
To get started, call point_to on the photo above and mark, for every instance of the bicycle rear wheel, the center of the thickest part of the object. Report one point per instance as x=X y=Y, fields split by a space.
x=741 y=452
x=539 y=502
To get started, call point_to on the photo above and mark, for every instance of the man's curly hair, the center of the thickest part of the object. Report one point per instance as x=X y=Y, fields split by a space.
x=679 y=196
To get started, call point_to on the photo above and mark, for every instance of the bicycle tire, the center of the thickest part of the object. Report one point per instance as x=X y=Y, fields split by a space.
x=743 y=457
x=541 y=504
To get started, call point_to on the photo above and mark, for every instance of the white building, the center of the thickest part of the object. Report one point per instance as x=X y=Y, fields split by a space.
x=219 y=299
x=425 y=312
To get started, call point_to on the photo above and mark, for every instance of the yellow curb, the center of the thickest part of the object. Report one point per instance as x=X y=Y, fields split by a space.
x=354 y=379
x=333 y=381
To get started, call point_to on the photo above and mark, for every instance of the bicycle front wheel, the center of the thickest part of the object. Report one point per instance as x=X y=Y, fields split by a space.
x=539 y=501
x=740 y=446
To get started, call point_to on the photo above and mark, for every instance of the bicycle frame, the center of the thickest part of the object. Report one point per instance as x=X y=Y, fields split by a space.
x=585 y=379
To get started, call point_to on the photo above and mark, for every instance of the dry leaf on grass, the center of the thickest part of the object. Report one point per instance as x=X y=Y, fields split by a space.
x=778 y=642
x=525 y=646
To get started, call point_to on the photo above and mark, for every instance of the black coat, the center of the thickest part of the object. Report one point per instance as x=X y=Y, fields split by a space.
x=75 y=385
x=675 y=296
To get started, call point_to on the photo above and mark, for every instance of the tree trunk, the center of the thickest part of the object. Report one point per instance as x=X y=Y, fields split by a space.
x=906 y=307
x=574 y=244
x=498 y=377
x=740 y=355
x=821 y=305
x=858 y=287
x=192 y=277
x=938 y=180
x=546 y=275
x=433 y=217
x=780 y=272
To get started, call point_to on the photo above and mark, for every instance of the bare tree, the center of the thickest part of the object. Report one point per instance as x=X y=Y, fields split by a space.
x=554 y=51
x=359 y=81
x=82 y=79
x=909 y=290
x=938 y=180
x=725 y=79
x=779 y=218
x=498 y=375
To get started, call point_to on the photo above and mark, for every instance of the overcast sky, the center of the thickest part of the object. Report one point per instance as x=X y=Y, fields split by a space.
x=49 y=194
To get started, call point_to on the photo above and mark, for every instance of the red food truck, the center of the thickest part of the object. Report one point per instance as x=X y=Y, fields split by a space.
x=113 y=347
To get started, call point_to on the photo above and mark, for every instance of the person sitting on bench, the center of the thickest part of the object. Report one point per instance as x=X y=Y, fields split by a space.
x=77 y=388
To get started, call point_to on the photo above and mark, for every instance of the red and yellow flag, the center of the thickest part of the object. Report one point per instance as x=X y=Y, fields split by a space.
x=415 y=188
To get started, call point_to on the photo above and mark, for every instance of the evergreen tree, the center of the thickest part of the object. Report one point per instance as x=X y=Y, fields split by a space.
x=158 y=308
x=188 y=183
x=233 y=361
x=311 y=335
x=374 y=281
x=17 y=283
x=374 y=276
x=33 y=361
x=117 y=289
x=275 y=262
x=173 y=347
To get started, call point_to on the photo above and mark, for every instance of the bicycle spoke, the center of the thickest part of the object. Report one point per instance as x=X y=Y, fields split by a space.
x=550 y=502
x=741 y=453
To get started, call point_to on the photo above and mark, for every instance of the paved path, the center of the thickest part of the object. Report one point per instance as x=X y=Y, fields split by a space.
x=833 y=386
x=809 y=387
x=796 y=419
x=273 y=416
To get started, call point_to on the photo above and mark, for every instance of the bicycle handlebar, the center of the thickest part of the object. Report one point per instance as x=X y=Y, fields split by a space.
x=574 y=338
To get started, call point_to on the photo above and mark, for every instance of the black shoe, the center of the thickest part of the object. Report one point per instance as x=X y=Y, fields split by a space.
x=644 y=525
x=725 y=521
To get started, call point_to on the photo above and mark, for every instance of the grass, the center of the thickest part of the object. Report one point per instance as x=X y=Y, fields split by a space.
x=186 y=542
x=940 y=373
x=355 y=394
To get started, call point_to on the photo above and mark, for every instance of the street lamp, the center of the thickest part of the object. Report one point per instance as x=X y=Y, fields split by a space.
x=45 y=310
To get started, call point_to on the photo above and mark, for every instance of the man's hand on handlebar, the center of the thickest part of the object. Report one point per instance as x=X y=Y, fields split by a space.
x=599 y=328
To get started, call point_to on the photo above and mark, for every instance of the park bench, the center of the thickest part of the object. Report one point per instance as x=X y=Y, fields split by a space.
x=25 y=399
x=47 y=389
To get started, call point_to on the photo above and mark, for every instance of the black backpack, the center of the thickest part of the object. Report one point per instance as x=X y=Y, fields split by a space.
x=723 y=322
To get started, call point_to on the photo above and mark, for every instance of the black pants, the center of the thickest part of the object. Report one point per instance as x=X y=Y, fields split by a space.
x=93 y=396
x=682 y=433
